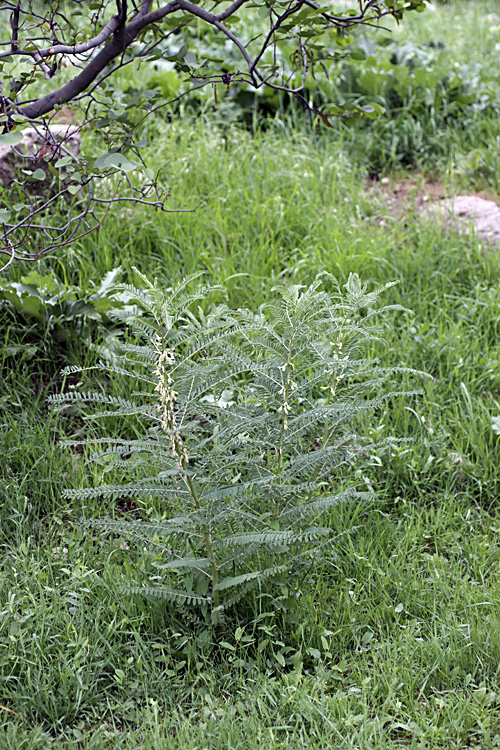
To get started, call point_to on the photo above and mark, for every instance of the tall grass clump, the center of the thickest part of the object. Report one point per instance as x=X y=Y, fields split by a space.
x=245 y=429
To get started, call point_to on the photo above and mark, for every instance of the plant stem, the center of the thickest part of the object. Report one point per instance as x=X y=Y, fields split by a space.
x=326 y=431
x=167 y=395
x=208 y=543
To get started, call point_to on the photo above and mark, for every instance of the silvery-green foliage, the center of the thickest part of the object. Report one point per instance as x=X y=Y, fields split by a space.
x=248 y=431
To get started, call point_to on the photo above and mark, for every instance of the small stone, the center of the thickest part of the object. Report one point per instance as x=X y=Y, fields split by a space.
x=469 y=211
x=38 y=146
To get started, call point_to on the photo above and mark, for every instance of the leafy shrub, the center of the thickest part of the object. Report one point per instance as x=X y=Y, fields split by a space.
x=412 y=77
x=390 y=76
x=408 y=104
x=246 y=431
x=424 y=101
x=63 y=309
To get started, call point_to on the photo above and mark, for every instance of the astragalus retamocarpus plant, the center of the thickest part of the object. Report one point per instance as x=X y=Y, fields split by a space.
x=247 y=428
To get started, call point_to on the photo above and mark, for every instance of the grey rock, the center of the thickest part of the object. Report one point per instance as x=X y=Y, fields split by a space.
x=467 y=211
x=37 y=148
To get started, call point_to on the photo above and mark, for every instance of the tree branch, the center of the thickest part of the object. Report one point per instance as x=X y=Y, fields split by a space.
x=81 y=82
x=15 y=29
x=230 y=10
x=131 y=34
x=77 y=49
x=212 y=19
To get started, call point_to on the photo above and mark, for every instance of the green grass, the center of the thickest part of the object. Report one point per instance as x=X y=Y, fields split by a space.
x=396 y=644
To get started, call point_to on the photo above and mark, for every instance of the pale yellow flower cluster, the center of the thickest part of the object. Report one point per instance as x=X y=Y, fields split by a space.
x=338 y=370
x=287 y=387
x=166 y=407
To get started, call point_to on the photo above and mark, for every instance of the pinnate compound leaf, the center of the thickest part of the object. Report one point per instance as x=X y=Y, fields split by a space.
x=170 y=595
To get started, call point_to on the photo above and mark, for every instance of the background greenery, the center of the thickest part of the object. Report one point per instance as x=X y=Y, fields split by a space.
x=398 y=643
